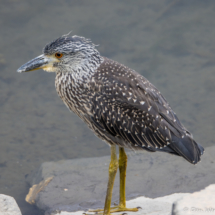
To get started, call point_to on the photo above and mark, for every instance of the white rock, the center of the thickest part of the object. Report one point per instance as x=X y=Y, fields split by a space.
x=157 y=206
x=70 y=213
x=198 y=203
x=8 y=206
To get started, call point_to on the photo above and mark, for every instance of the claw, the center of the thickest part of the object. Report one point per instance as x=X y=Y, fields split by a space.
x=115 y=209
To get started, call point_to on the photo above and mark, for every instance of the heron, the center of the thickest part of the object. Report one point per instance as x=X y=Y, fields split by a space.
x=118 y=104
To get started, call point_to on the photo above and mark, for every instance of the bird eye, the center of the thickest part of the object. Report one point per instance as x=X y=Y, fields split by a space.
x=58 y=55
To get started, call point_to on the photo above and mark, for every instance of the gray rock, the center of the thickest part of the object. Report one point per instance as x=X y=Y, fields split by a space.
x=8 y=206
x=80 y=184
x=198 y=203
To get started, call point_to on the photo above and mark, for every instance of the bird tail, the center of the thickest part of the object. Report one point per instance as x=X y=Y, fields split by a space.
x=187 y=148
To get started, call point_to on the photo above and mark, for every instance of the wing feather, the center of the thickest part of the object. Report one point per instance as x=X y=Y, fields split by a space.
x=134 y=110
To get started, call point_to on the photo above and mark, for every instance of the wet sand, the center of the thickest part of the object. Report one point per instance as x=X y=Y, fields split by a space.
x=172 y=43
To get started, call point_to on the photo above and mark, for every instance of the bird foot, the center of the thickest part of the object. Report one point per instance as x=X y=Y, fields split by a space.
x=113 y=210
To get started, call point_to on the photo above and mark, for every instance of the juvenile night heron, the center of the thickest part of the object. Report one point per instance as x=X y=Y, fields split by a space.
x=119 y=105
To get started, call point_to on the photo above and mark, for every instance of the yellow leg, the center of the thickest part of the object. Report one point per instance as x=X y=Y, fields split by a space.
x=122 y=192
x=112 y=173
x=122 y=172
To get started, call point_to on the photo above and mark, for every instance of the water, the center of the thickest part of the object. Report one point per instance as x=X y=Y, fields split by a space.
x=172 y=43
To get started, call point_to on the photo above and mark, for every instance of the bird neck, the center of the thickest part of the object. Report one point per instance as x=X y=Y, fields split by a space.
x=82 y=72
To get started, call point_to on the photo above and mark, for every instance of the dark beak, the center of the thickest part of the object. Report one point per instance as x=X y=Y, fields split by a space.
x=37 y=63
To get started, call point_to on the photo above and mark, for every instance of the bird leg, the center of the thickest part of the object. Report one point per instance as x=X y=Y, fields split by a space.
x=112 y=173
x=122 y=172
x=122 y=193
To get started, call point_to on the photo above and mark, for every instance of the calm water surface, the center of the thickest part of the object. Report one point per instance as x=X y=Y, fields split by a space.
x=172 y=43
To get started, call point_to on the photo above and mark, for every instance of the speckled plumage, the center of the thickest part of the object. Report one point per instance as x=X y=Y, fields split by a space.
x=124 y=108
x=118 y=104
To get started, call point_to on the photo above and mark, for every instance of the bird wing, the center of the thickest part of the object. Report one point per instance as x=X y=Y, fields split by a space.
x=132 y=108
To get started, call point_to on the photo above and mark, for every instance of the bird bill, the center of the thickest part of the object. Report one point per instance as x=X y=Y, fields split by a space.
x=40 y=62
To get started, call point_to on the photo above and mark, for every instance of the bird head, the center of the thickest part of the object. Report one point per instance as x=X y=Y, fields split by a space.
x=65 y=54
